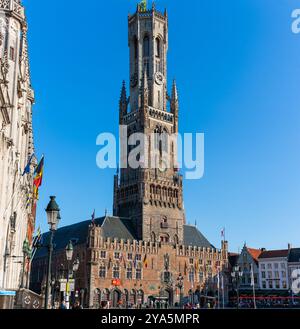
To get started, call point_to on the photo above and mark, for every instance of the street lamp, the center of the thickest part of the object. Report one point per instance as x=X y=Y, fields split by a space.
x=236 y=276
x=180 y=286
x=53 y=218
x=69 y=256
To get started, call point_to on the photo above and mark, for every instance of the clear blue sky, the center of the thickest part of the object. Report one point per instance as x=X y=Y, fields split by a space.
x=237 y=66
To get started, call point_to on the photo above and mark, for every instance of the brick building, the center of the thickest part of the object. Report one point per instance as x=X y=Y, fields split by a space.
x=137 y=256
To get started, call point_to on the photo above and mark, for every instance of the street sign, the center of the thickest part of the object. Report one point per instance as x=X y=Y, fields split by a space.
x=67 y=286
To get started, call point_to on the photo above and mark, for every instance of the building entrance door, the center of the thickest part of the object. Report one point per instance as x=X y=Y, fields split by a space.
x=116 y=298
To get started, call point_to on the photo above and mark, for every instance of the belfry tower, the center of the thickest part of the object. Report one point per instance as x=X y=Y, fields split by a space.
x=151 y=196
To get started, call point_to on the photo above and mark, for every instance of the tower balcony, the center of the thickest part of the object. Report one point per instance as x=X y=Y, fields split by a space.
x=13 y=6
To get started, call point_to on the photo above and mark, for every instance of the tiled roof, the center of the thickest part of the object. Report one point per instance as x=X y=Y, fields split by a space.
x=193 y=237
x=294 y=256
x=112 y=227
x=274 y=254
x=255 y=253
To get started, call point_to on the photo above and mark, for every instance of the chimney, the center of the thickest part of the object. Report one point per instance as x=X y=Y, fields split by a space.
x=289 y=246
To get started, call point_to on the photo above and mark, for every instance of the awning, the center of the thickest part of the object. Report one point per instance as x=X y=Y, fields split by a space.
x=7 y=293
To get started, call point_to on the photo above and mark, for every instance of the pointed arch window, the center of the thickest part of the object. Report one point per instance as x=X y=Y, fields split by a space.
x=146 y=46
x=135 y=45
x=157 y=48
x=153 y=237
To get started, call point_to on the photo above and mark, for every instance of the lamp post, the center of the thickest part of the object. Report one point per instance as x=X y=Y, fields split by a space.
x=180 y=286
x=69 y=256
x=236 y=276
x=53 y=218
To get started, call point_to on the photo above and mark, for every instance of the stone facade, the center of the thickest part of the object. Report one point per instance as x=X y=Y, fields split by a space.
x=152 y=195
x=16 y=145
x=136 y=272
x=126 y=270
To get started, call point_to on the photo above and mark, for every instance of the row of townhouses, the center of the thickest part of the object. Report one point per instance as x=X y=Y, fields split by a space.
x=273 y=270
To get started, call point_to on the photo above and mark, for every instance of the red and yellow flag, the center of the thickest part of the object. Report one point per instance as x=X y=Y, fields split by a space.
x=38 y=179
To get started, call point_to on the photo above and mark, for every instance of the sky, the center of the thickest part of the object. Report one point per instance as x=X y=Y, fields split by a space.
x=237 y=67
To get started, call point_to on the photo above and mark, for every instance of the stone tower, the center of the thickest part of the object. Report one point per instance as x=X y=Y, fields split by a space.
x=152 y=196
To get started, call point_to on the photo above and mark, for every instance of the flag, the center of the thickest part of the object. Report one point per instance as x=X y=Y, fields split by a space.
x=38 y=238
x=109 y=263
x=223 y=233
x=93 y=217
x=27 y=168
x=145 y=261
x=28 y=201
x=38 y=179
x=185 y=268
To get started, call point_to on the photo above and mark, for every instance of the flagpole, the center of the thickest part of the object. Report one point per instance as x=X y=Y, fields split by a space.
x=218 y=288
x=253 y=286
x=223 y=294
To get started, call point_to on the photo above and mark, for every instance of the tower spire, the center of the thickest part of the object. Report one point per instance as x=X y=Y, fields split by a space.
x=174 y=96
x=123 y=101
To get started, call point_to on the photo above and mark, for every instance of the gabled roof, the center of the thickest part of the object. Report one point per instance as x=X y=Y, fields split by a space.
x=193 y=237
x=255 y=253
x=274 y=254
x=294 y=255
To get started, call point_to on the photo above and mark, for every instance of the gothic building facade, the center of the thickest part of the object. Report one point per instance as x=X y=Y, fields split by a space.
x=16 y=145
x=145 y=251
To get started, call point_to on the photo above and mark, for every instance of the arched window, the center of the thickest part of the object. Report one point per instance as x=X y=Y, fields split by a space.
x=157 y=48
x=135 y=45
x=165 y=238
x=176 y=239
x=153 y=237
x=146 y=46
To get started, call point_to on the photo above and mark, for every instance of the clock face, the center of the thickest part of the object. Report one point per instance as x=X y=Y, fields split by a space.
x=159 y=78
x=162 y=167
